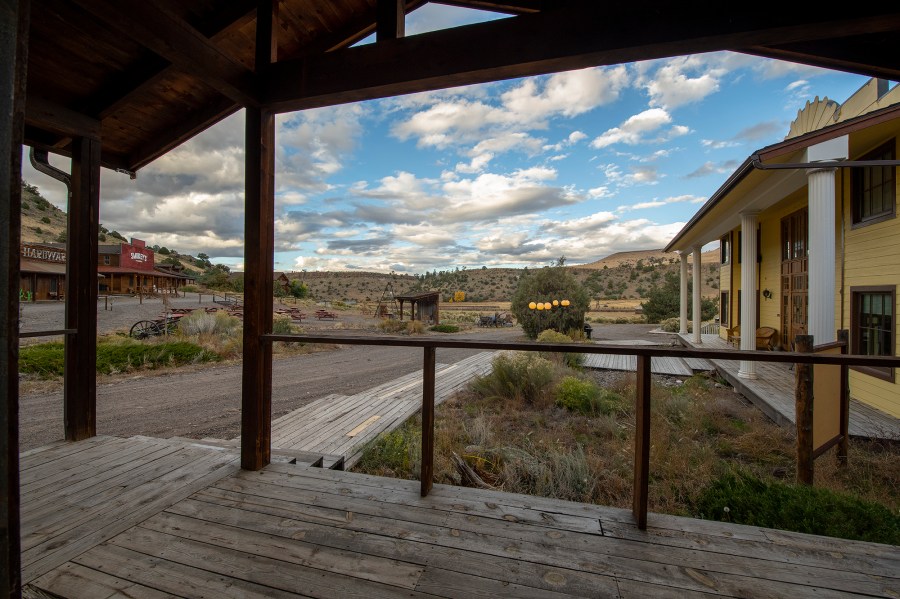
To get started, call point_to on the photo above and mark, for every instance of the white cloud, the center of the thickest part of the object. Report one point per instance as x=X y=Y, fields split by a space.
x=634 y=129
x=657 y=203
x=567 y=94
x=682 y=80
x=476 y=165
x=596 y=193
x=500 y=123
x=576 y=136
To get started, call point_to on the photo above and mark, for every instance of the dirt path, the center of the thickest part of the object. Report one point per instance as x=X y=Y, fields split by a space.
x=206 y=402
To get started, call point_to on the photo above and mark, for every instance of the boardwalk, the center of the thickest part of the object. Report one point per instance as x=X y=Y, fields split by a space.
x=658 y=365
x=338 y=427
x=773 y=393
x=151 y=518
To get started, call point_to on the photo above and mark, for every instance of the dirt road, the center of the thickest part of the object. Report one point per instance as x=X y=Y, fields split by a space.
x=205 y=402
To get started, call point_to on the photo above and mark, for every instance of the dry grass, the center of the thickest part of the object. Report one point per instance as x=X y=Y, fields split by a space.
x=700 y=431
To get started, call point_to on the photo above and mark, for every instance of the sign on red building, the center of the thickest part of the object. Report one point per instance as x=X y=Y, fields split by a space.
x=135 y=255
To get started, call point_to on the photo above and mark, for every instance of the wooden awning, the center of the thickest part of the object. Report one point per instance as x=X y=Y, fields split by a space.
x=144 y=77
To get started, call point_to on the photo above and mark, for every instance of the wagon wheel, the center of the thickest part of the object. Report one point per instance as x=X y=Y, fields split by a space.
x=143 y=329
x=171 y=326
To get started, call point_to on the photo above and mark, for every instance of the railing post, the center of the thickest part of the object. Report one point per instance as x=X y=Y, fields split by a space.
x=642 y=442
x=803 y=394
x=427 y=466
x=844 y=443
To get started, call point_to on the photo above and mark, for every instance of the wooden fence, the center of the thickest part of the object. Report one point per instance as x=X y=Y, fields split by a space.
x=803 y=388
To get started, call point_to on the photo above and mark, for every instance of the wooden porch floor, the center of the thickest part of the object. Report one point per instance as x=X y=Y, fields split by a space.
x=153 y=518
x=773 y=393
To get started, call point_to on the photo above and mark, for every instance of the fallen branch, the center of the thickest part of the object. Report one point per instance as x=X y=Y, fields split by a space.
x=470 y=478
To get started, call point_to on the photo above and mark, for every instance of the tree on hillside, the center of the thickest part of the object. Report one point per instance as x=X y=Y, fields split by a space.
x=545 y=285
x=203 y=260
x=663 y=302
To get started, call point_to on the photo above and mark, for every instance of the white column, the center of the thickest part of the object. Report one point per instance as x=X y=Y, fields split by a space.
x=697 y=288
x=683 y=301
x=749 y=221
x=821 y=256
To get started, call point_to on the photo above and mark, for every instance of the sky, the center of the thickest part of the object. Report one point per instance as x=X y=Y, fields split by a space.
x=580 y=164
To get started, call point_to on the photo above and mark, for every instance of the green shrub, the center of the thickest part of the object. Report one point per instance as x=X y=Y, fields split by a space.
x=572 y=360
x=46 y=359
x=190 y=289
x=550 y=473
x=395 y=452
x=219 y=323
x=521 y=376
x=744 y=499
x=584 y=396
x=45 y=220
x=282 y=326
x=445 y=328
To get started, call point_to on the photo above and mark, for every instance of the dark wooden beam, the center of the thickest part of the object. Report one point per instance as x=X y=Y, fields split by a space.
x=14 y=26
x=584 y=34
x=150 y=71
x=50 y=116
x=259 y=249
x=189 y=126
x=80 y=371
x=390 y=20
x=44 y=140
x=517 y=7
x=872 y=55
x=158 y=29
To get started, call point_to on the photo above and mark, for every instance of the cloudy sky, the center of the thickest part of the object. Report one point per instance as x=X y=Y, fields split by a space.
x=515 y=173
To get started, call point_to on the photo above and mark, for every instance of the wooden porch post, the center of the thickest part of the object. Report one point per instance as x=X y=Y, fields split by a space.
x=427 y=466
x=259 y=244
x=642 y=443
x=803 y=394
x=14 y=16
x=844 y=444
x=80 y=374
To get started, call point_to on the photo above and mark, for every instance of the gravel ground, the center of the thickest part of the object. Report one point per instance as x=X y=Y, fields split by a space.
x=204 y=401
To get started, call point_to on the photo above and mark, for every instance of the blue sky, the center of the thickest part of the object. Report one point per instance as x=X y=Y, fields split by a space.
x=514 y=173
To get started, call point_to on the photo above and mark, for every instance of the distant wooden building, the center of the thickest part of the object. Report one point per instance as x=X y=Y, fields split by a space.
x=283 y=282
x=131 y=268
x=425 y=306
x=43 y=271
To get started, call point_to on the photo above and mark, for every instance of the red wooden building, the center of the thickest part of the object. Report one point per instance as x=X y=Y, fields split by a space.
x=131 y=268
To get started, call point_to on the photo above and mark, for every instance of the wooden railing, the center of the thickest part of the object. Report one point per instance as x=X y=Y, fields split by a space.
x=642 y=397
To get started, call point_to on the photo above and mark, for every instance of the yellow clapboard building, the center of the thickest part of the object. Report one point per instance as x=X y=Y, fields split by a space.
x=810 y=238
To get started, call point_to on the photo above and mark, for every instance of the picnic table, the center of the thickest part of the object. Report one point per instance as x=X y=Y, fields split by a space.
x=293 y=313
x=325 y=315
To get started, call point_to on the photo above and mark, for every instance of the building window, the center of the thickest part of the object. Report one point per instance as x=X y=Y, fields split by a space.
x=724 y=309
x=725 y=249
x=106 y=260
x=872 y=326
x=874 y=188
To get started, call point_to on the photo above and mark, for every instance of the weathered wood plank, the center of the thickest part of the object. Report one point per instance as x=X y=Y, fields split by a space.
x=130 y=507
x=173 y=577
x=238 y=529
x=240 y=565
x=641 y=560
x=75 y=581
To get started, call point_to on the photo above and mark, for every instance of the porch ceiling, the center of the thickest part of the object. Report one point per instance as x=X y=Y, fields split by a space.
x=146 y=79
